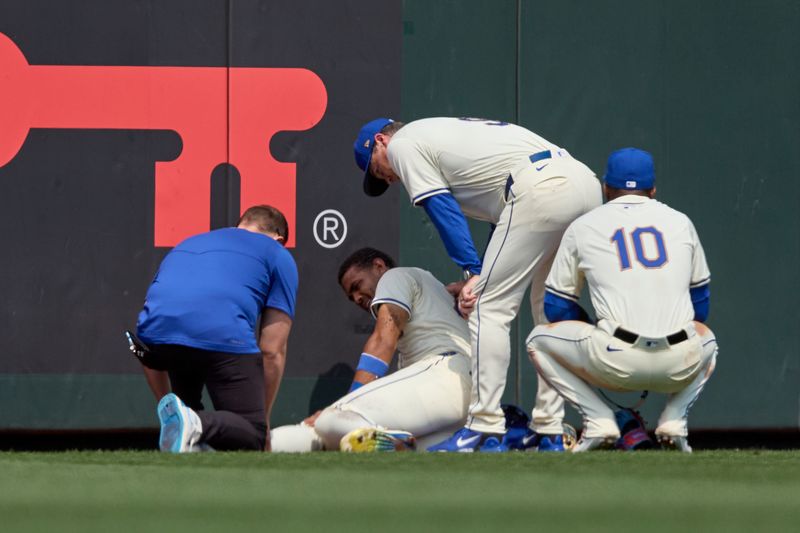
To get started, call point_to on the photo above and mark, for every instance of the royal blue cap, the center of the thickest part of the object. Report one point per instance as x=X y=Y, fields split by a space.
x=630 y=169
x=362 y=149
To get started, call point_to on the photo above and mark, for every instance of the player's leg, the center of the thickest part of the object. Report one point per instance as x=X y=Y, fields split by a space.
x=235 y=384
x=297 y=438
x=561 y=354
x=570 y=191
x=674 y=418
x=425 y=397
x=177 y=410
x=539 y=208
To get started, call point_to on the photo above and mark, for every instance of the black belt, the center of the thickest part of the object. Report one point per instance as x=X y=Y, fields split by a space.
x=631 y=337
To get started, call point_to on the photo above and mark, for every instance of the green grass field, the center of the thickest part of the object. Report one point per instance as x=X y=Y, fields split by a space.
x=229 y=492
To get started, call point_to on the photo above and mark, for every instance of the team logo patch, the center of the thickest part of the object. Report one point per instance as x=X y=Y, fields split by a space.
x=630 y=184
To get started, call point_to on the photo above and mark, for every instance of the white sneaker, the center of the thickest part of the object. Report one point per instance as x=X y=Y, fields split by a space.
x=180 y=426
x=673 y=442
x=594 y=443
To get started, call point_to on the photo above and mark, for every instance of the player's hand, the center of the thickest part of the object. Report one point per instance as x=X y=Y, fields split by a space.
x=467 y=298
x=455 y=288
x=311 y=420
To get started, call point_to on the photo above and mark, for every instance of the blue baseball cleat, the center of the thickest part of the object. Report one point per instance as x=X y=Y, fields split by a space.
x=550 y=443
x=464 y=440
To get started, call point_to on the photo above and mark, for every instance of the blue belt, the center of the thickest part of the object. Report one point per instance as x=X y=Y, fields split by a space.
x=538 y=156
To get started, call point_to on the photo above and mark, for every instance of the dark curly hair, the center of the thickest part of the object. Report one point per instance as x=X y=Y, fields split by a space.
x=363 y=258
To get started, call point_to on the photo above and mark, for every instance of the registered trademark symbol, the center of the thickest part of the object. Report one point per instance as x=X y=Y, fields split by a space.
x=330 y=228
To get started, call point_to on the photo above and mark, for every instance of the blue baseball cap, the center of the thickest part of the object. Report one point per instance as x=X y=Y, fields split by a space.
x=362 y=149
x=630 y=169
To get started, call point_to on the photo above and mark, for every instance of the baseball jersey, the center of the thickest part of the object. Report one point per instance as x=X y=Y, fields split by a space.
x=640 y=258
x=433 y=325
x=211 y=289
x=469 y=158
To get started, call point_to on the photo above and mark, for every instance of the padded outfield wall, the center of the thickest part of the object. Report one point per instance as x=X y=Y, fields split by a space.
x=129 y=124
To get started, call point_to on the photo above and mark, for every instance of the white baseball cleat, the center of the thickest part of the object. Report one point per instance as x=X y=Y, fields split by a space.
x=180 y=426
x=674 y=442
x=586 y=444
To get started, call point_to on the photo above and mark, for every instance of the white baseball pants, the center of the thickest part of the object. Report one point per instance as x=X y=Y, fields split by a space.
x=542 y=201
x=575 y=356
x=429 y=399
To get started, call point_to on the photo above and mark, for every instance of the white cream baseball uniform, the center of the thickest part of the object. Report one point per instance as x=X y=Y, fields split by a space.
x=640 y=258
x=530 y=189
x=429 y=393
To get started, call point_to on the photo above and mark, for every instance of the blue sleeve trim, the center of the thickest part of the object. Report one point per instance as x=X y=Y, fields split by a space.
x=373 y=365
x=699 y=283
x=563 y=294
x=557 y=308
x=425 y=195
x=451 y=224
x=376 y=303
x=701 y=301
x=355 y=385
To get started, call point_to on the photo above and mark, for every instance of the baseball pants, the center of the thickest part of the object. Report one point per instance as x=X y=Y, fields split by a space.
x=429 y=399
x=575 y=356
x=541 y=202
x=235 y=384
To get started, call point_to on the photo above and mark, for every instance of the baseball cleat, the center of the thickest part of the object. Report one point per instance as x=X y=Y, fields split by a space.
x=550 y=443
x=633 y=430
x=464 y=440
x=180 y=426
x=494 y=444
x=377 y=440
x=594 y=443
x=674 y=442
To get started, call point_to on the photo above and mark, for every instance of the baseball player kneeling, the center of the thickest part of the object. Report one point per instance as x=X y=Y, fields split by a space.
x=649 y=285
x=428 y=396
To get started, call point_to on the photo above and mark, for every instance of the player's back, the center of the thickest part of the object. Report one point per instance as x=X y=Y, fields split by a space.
x=639 y=257
x=471 y=157
x=211 y=288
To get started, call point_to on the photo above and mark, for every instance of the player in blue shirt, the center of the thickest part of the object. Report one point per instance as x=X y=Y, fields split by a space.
x=218 y=313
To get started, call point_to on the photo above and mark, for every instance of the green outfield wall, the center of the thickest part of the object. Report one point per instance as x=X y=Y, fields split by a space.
x=711 y=88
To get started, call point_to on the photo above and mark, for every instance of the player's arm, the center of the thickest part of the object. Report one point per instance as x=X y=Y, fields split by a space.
x=379 y=350
x=451 y=224
x=564 y=283
x=273 y=339
x=700 y=284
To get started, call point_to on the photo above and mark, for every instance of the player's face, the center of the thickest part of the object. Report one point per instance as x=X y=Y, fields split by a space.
x=359 y=285
x=379 y=163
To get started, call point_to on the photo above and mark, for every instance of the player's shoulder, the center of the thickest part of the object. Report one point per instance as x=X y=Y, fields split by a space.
x=679 y=218
x=402 y=274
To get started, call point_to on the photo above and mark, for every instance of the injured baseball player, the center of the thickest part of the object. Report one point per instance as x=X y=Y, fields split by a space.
x=650 y=287
x=428 y=395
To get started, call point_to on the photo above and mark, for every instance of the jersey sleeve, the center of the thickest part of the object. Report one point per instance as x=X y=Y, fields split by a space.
x=565 y=279
x=283 y=284
x=417 y=169
x=397 y=286
x=701 y=275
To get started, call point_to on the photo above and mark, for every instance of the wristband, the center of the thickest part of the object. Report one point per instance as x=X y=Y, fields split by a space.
x=373 y=365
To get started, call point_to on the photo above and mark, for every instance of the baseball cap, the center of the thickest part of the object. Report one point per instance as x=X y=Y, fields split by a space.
x=362 y=149
x=630 y=169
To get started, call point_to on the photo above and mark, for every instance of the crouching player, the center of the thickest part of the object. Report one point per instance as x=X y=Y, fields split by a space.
x=428 y=396
x=649 y=284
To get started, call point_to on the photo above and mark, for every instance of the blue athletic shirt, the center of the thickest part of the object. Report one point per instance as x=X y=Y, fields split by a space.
x=211 y=289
